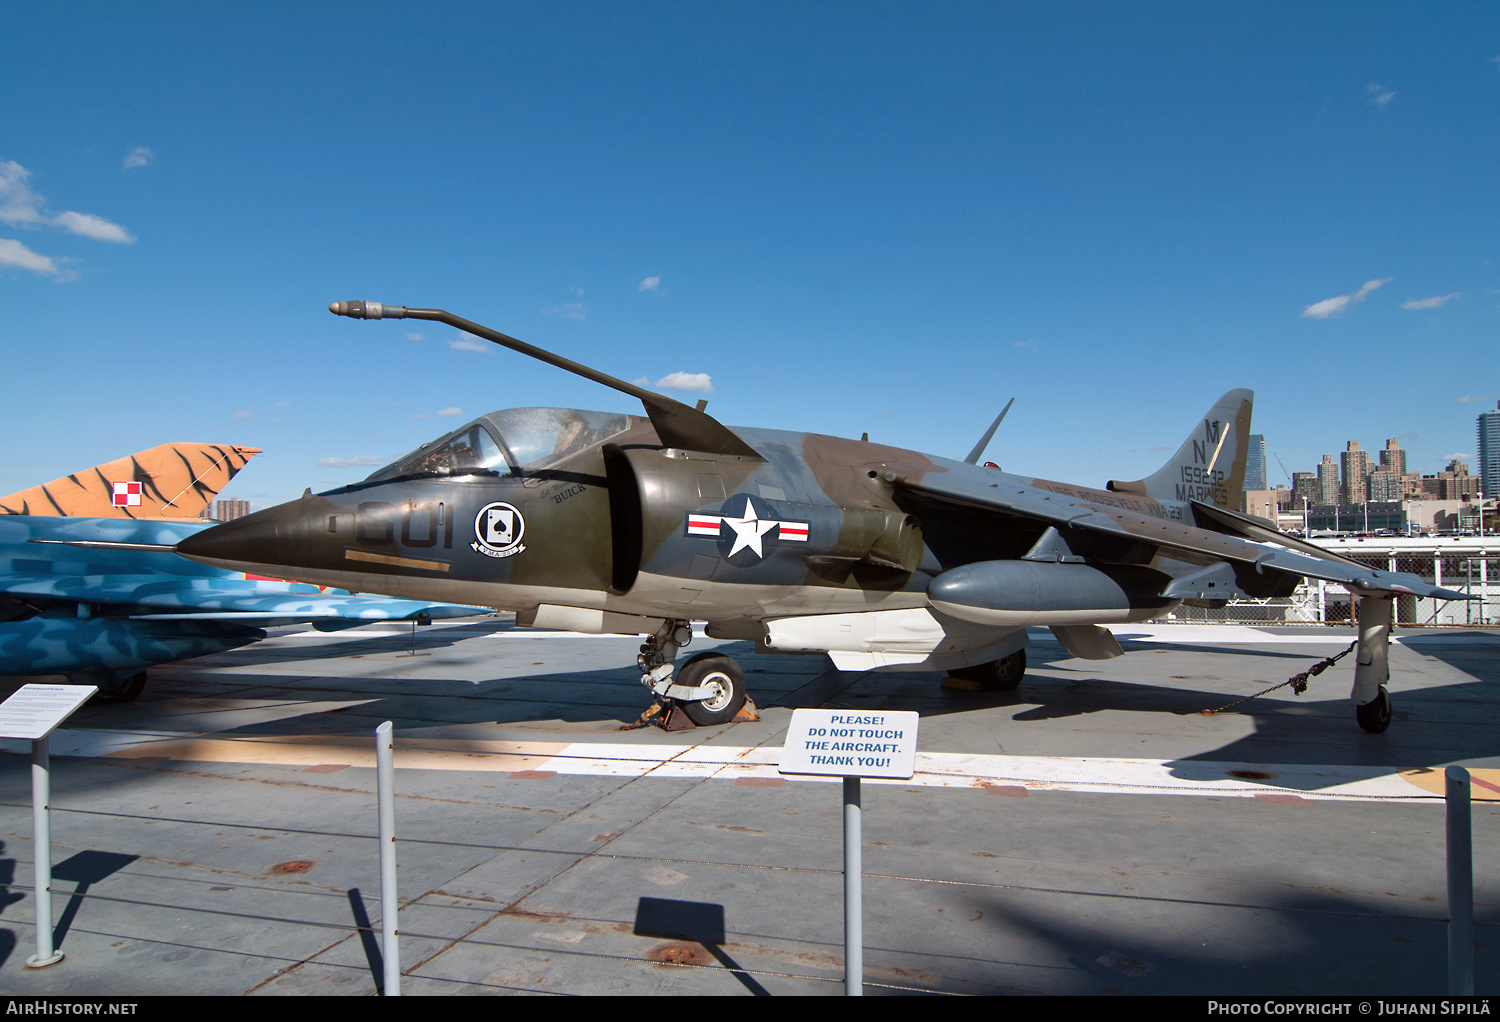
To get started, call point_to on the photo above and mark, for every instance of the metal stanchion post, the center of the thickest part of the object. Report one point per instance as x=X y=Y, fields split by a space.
x=385 y=782
x=41 y=846
x=854 y=928
x=1460 y=884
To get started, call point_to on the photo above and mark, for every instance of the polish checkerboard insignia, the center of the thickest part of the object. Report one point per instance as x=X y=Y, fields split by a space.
x=127 y=495
x=747 y=530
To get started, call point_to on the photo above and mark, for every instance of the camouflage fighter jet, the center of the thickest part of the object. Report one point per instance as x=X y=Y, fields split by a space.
x=99 y=599
x=877 y=556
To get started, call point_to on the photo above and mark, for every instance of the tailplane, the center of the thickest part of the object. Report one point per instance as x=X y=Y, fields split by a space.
x=170 y=481
x=1210 y=466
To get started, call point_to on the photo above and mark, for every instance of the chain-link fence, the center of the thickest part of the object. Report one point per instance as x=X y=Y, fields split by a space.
x=1475 y=573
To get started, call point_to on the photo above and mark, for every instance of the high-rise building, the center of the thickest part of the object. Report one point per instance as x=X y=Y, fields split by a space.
x=1356 y=467
x=1328 y=482
x=1489 y=452
x=1393 y=458
x=1305 y=488
x=1255 y=463
x=1385 y=484
x=228 y=510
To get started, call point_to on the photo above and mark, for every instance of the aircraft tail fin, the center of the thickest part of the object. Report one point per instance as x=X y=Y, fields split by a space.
x=1210 y=465
x=170 y=481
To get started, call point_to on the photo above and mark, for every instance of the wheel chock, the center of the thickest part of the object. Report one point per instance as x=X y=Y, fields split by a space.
x=675 y=720
x=748 y=713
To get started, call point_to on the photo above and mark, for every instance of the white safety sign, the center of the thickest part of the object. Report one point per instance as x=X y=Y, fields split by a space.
x=851 y=743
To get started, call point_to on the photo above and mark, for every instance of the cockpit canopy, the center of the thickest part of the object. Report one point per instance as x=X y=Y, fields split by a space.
x=507 y=443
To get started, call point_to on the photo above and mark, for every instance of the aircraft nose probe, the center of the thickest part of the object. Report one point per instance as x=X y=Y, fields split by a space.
x=678 y=425
x=367 y=310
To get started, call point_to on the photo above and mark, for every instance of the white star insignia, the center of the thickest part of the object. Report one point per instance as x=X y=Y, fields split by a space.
x=748 y=530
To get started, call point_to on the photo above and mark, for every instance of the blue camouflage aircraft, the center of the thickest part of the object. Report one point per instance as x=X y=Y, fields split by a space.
x=100 y=599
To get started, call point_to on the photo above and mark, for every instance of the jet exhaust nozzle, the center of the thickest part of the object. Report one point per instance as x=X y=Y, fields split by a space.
x=367 y=310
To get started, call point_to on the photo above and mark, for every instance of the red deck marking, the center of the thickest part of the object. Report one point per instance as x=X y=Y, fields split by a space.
x=532 y=775
x=326 y=768
x=1484 y=784
x=1007 y=790
x=1284 y=800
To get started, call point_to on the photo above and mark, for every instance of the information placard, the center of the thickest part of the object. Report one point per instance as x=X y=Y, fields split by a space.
x=34 y=710
x=851 y=743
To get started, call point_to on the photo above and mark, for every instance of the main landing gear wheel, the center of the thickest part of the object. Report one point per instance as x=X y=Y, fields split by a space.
x=723 y=675
x=1001 y=675
x=123 y=692
x=1375 y=716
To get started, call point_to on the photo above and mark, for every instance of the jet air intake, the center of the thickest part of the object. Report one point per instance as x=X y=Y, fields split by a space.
x=1040 y=593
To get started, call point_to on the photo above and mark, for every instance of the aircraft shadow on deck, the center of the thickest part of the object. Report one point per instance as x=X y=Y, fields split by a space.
x=1317 y=729
x=1384 y=955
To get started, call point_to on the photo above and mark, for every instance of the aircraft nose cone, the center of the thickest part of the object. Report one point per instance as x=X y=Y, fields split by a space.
x=275 y=537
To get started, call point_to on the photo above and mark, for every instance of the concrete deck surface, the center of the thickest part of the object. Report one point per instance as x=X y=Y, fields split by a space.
x=1088 y=833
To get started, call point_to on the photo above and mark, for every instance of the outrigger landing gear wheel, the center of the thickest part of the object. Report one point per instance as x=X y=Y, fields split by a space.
x=1375 y=716
x=723 y=675
x=1001 y=675
x=123 y=692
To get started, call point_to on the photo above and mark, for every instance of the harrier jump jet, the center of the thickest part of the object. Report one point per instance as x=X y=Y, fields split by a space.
x=880 y=557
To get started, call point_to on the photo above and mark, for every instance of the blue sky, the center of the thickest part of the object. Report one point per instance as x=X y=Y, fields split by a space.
x=877 y=216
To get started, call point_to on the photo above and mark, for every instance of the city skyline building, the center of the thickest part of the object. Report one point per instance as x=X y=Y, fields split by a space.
x=1305 y=489
x=1489 y=452
x=229 y=510
x=1328 y=481
x=1355 y=465
x=1393 y=458
x=1255 y=463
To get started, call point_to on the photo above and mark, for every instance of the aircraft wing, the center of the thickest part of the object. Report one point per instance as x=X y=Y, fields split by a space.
x=247 y=602
x=969 y=489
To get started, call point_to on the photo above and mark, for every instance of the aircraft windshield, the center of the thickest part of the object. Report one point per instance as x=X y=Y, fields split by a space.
x=503 y=443
x=538 y=437
x=471 y=451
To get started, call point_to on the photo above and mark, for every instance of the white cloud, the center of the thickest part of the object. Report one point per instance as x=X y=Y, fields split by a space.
x=363 y=460
x=1379 y=94
x=1459 y=456
x=414 y=337
x=466 y=342
x=90 y=226
x=568 y=310
x=241 y=414
x=1467 y=400
x=1029 y=344
x=282 y=404
x=699 y=383
x=650 y=284
x=1333 y=306
x=1428 y=303
x=13 y=253
x=448 y=413
x=138 y=157
x=18 y=203
x=22 y=207
x=644 y=381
